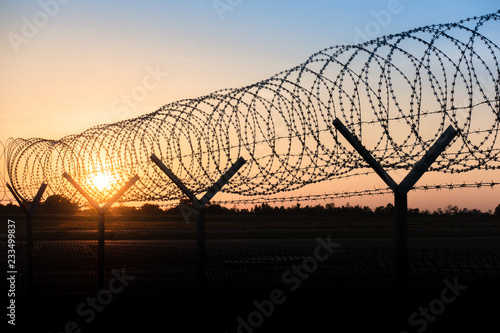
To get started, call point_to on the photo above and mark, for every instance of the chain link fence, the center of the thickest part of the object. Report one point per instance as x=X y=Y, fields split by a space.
x=70 y=268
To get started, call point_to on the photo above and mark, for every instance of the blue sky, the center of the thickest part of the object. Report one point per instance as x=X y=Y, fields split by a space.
x=91 y=51
x=72 y=72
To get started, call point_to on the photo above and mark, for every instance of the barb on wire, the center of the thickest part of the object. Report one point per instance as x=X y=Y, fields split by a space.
x=346 y=194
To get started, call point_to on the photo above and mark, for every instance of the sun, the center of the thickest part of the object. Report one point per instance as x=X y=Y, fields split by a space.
x=101 y=181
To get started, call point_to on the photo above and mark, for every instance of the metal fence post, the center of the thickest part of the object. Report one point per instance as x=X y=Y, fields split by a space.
x=200 y=207
x=400 y=191
x=402 y=246
x=100 y=250
x=29 y=210
x=101 y=210
x=201 y=249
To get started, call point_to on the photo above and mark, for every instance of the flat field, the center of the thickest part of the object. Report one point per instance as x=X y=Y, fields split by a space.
x=229 y=226
x=250 y=260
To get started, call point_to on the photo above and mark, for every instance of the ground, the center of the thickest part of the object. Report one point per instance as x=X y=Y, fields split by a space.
x=260 y=275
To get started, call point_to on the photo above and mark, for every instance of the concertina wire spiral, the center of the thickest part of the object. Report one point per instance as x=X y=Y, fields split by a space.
x=397 y=94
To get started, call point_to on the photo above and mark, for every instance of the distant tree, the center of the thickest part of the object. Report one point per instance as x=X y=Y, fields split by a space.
x=425 y=213
x=497 y=211
x=367 y=211
x=215 y=209
x=386 y=211
x=296 y=209
x=151 y=209
x=451 y=210
x=10 y=209
x=263 y=209
x=182 y=203
x=439 y=212
x=389 y=209
x=124 y=210
x=379 y=211
x=413 y=211
x=58 y=204
x=185 y=201
x=476 y=212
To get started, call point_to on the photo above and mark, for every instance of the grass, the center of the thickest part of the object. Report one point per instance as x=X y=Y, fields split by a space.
x=228 y=226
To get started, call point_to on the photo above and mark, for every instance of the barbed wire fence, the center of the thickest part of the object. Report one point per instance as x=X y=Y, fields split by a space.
x=347 y=194
x=397 y=94
x=168 y=270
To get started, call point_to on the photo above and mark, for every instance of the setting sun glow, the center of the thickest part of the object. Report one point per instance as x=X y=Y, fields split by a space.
x=101 y=181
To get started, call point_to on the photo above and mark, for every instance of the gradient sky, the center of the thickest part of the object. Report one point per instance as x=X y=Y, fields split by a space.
x=73 y=71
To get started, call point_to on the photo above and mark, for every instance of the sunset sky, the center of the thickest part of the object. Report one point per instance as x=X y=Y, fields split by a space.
x=69 y=65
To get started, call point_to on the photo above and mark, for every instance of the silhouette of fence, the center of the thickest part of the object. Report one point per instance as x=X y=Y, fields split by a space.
x=70 y=268
x=393 y=97
x=396 y=93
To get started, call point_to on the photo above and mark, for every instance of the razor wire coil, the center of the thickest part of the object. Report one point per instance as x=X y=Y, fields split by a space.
x=396 y=93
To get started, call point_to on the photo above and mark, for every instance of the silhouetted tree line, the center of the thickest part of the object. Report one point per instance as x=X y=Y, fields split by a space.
x=365 y=211
x=317 y=210
x=57 y=204
x=54 y=204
